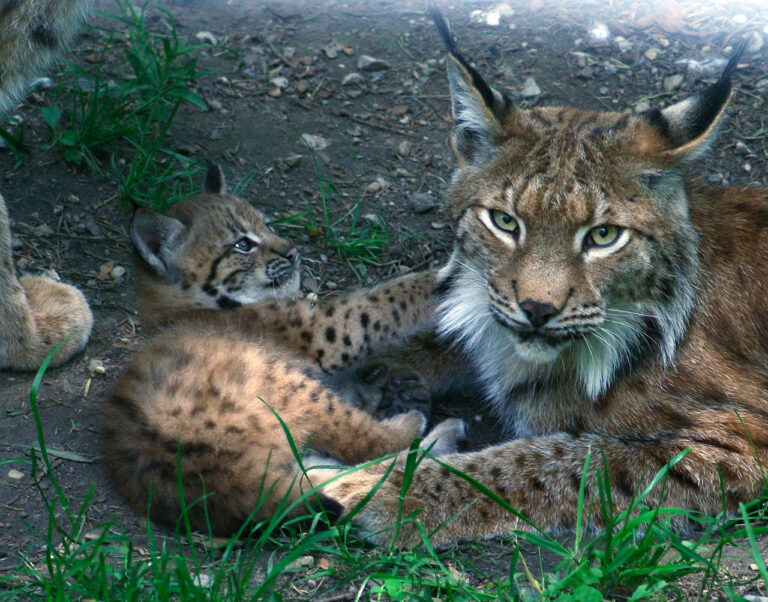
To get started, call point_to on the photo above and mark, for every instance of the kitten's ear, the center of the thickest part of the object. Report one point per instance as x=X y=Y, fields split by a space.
x=155 y=238
x=215 y=183
x=479 y=111
x=688 y=128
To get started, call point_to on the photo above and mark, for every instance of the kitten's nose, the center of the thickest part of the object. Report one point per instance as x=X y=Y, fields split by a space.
x=537 y=313
x=291 y=254
x=286 y=250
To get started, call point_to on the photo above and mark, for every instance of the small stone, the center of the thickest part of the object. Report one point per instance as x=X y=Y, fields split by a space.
x=332 y=50
x=373 y=218
x=351 y=79
x=275 y=93
x=73 y=198
x=377 y=185
x=15 y=474
x=206 y=37
x=400 y=110
x=16 y=244
x=289 y=162
x=202 y=580
x=437 y=225
x=642 y=106
x=215 y=104
x=623 y=44
x=117 y=272
x=743 y=149
x=105 y=269
x=279 y=82
x=423 y=202
x=331 y=285
x=673 y=82
x=368 y=64
x=404 y=148
x=302 y=86
x=755 y=43
x=316 y=143
x=530 y=88
x=96 y=367
x=652 y=53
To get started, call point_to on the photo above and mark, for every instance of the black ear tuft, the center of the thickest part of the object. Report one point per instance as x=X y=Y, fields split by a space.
x=479 y=111
x=450 y=42
x=214 y=177
x=690 y=124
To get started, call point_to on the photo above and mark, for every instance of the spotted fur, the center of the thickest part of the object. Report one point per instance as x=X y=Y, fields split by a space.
x=633 y=351
x=204 y=394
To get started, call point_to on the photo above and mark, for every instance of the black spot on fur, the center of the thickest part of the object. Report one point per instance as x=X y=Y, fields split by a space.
x=330 y=334
x=306 y=335
x=8 y=6
x=321 y=503
x=364 y=320
x=225 y=302
x=41 y=34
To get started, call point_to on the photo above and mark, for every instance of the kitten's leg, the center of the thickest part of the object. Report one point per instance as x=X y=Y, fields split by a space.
x=36 y=313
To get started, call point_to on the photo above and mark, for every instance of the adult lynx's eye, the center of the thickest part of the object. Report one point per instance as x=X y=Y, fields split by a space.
x=602 y=236
x=504 y=221
x=245 y=245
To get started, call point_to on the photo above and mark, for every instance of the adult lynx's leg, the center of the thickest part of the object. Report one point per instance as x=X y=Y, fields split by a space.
x=37 y=313
x=32 y=34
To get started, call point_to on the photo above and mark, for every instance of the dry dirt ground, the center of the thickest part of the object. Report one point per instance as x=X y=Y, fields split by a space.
x=386 y=133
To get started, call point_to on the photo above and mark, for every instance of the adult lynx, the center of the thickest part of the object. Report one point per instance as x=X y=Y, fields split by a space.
x=609 y=302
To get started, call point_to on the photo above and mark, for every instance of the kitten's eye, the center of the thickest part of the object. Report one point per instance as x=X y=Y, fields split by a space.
x=504 y=221
x=244 y=245
x=602 y=236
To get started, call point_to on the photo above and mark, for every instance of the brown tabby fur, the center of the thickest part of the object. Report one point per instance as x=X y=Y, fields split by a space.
x=206 y=391
x=634 y=352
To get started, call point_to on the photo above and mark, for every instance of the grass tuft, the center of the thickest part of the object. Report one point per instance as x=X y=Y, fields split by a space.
x=123 y=123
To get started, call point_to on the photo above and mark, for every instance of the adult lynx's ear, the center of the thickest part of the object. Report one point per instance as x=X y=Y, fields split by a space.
x=155 y=238
x=688 y=127
x=215 y=183
x=479 y=111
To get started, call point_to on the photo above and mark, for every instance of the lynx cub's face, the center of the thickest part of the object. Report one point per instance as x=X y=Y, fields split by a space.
x=575 y=255
x=213 y=250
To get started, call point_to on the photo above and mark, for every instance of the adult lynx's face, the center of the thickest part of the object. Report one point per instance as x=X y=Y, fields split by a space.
x=575 y=256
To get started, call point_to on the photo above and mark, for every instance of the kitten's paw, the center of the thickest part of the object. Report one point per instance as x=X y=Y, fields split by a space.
x=400 y=388
x=445 y=437
x=411 y=424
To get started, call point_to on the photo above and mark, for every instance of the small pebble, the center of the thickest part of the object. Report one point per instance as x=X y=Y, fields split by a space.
x=652 y=53
x=206 y=37
x=368 y=64
x=351 y=79
x=96 y=367
x=15 y=474
x=301 y=562
x=530 y=88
